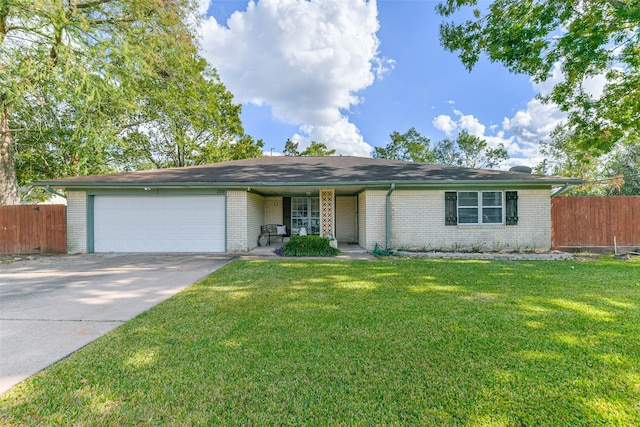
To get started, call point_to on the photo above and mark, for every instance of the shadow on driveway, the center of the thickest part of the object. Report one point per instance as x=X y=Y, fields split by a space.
x=53 y=306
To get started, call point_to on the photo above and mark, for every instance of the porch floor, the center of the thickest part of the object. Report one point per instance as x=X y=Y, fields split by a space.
x=348 y=251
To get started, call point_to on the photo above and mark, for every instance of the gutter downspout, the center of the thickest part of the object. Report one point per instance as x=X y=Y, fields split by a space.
x=388 y=217
x=48 y=189
x=561 y=190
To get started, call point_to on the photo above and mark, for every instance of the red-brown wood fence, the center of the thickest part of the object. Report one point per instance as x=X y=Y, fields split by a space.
x=33 y=229
x=595 y=223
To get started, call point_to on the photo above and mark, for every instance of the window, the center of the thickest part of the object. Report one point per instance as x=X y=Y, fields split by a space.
x=492 y=207
x=305 y=212
x=481 y=207
x=468 y=207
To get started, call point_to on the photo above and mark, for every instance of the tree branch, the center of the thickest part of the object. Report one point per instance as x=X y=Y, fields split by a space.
x=89 y=4
x=124 y=20
x=3 y=24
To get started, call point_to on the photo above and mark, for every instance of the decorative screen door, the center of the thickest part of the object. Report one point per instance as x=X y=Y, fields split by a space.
x=305 y=212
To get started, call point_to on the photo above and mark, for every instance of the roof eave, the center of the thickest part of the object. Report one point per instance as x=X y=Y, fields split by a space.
x=422 y=183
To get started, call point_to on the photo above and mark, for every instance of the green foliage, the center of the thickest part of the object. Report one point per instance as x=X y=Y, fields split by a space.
x=394 y=342
x=309 y=246
x=100 y=86
x=466 y=151
x=617 y=173
x=469 y=151
x=624 y=162
x=316 y=149
x=189 y=118
x=583 y=39
x=409 y=146
x=291 y=148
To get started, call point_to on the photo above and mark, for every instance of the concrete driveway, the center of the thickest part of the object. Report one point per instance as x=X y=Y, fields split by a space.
x=52 y=306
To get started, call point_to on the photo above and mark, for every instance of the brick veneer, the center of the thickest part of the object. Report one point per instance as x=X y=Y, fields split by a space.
x=76 y=222
x=417 y=222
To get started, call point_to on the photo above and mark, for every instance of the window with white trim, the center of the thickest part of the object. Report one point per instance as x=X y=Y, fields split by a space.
x=480 y=207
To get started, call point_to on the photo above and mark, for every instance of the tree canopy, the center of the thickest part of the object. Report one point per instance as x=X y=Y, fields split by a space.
x=291 y=148
x=583 y=39
x=409 y=146
x=616 y=173
x=465 y=151
x=98 y=86
x=189 y=118
x=314 y=149
x=317 y=149
x=469 y=151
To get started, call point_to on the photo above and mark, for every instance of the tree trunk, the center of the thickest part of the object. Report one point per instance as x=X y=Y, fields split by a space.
x=8 y=180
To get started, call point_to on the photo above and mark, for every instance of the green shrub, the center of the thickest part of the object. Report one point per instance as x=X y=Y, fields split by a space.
x=309 y=246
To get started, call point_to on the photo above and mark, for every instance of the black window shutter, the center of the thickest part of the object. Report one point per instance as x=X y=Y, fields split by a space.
x=450 y=208
x=512 y=208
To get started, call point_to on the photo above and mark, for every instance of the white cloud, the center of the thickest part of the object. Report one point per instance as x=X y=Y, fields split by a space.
x=535 y=124
x=445 y=123
x=521 y=134
x=544 y=88
x=305 y=59
x=471 y=124
x=342 y=136
x=383 y=66
x=203 y=6
x=272 y=153
x=593 y=85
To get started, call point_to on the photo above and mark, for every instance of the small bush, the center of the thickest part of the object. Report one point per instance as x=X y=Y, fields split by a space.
x=309 y=246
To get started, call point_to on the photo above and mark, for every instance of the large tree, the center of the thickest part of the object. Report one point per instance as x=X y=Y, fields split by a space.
x=469 y=151
x=465 y=151
x=615 y=173
x=624 y=163
x=291 y=148
x=317 y=149
x=80 y=79
x=583 y=38
x=409 y=146
x=188 y=118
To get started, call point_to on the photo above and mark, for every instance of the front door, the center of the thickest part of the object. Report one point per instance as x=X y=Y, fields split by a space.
x=305 y=212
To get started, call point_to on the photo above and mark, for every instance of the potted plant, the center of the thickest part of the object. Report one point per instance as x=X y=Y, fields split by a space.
x=332 y=242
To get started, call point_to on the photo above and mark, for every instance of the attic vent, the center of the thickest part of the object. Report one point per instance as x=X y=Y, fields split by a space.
x=522 y=169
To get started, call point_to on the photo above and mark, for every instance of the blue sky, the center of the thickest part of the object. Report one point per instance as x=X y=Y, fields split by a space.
x=350 y=72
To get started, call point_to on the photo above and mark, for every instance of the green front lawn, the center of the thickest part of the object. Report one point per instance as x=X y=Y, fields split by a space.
x=389 y=342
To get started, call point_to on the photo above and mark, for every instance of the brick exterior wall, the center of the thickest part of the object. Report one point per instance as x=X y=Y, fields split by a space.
x=362 y=220
x=237 y=214
x=76 y=222
x=273 y=210
x=346 y=219
x=255 y=219
x=374 y=216
x=245 y=215
x=417 y=222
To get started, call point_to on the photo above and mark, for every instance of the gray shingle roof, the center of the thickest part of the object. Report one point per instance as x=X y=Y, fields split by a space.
x=335 y=170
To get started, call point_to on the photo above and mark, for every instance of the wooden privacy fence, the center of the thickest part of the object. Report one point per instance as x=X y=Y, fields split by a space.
x=33 y=229
x=595 y=223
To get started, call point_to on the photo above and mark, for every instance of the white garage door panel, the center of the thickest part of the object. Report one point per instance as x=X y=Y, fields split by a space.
x=159 y=223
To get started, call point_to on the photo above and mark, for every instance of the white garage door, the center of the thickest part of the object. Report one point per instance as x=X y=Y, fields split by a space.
x=159 y=223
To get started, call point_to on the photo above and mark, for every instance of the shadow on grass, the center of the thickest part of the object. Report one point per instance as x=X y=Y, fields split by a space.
x=389 y=342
